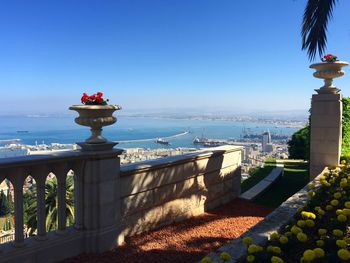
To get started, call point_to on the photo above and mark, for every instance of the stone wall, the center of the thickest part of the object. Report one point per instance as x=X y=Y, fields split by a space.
x=159 y=192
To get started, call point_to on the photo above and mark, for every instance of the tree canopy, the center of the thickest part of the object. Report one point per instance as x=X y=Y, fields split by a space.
x=299 y=145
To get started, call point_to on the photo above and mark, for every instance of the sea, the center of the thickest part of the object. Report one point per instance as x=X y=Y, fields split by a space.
x=130 y=131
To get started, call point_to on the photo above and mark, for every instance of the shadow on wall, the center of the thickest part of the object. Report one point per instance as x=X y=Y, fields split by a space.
x=213 y=182
x=159 y=196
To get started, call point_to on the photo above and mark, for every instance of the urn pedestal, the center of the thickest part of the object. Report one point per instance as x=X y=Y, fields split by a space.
x=95 y=117
x=326 y=119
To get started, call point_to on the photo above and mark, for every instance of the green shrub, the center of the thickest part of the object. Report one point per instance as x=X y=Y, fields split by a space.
x=299 y=145
x=346 y=127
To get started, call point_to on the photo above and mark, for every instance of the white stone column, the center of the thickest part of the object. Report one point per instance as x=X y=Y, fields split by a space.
x=326 y=118
x=39 y=174
x=326 y=132
x=101 y=201
x=40 y=200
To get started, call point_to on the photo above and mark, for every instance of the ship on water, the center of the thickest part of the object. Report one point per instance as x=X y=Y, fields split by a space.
x=200 y=140
x=162 y=141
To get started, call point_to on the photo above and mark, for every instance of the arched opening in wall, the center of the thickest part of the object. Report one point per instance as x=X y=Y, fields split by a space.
x=7 y=225
x=30 y=207
x=54 y=187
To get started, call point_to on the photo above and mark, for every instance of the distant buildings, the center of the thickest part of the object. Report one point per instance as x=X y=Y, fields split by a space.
x=266 y=143
x=134 y=155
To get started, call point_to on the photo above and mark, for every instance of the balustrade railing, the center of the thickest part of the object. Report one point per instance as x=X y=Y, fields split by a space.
x=91 y=232
x=98 y=194
x=7 y=238
x=16 y=170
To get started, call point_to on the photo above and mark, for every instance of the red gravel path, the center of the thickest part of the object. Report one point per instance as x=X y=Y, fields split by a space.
x=186 y=241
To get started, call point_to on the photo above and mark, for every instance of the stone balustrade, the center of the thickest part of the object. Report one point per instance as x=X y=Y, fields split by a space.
x=110 y=202
x=95 y=210
x=7 y=238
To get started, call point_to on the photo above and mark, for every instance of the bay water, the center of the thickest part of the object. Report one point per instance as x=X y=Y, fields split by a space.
x=63 y=129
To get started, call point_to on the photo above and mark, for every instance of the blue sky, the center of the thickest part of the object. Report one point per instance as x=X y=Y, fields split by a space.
x=240 y=55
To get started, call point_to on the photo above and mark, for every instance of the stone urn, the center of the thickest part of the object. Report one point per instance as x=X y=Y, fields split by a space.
x=328 y=71
x=95 y=117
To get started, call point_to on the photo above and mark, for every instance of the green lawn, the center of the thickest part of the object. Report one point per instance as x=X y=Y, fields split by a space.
x=296 y=176
x=257 y=174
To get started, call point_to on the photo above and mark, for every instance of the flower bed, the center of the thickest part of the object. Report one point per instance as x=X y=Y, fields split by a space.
x=319 y=232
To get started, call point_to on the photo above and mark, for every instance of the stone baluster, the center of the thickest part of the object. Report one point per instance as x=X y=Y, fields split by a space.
x=60 y=170
x=39 y=174
x=17 y=179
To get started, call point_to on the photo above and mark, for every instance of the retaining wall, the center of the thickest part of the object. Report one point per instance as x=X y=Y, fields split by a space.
x=159 y=192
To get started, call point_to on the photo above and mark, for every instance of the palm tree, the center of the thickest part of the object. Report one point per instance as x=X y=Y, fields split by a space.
x=51 y=205
x=314 y=28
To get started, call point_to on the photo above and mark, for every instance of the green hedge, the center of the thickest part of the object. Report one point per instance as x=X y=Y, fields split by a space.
x=299 y=145
x=345 y=149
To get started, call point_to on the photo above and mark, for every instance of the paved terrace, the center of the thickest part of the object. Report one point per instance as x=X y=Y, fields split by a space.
x=186 y=241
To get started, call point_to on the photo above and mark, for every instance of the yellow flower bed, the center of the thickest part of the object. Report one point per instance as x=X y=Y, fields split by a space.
x=319 y=232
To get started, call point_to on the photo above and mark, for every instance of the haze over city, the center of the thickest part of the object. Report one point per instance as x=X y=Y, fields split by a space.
x=241 y=56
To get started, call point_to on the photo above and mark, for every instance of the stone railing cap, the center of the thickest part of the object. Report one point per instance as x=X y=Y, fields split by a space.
x=172 y=160
x=56 y=157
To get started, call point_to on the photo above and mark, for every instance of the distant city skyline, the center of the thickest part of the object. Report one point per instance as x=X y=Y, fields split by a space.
x=217 y=55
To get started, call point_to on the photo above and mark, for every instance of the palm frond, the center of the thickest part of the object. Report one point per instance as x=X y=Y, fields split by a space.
x=314 y=28
x=51 y=205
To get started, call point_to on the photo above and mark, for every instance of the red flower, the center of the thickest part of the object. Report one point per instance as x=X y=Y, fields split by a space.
x=95 y=99
x=84 y=98
x=329 y=58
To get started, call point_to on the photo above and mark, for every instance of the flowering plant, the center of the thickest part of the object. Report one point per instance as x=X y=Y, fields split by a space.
x=320 y=230
x=329 y=58
x=318 y=233
x=95 y=99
